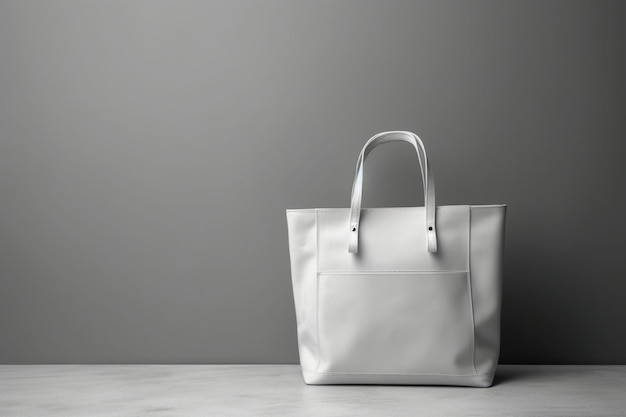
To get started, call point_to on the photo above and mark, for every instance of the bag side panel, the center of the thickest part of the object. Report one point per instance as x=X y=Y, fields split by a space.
x=486 y=253
x=302 y=231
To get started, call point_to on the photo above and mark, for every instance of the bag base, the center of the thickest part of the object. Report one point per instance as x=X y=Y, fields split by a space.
x=336 y=378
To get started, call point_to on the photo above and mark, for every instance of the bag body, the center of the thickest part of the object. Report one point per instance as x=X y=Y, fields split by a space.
x=405 y=295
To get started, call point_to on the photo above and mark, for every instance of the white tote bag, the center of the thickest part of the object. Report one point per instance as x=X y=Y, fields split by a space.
x=405 y=295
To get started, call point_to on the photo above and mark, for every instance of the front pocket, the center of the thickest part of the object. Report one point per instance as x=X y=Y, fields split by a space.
x=395 y=323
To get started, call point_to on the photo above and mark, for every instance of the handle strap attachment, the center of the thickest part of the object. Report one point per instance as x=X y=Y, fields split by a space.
x=427 y=181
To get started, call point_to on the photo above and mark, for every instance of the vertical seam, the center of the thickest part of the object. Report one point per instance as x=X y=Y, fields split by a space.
x=317 y=292
x=469 y=283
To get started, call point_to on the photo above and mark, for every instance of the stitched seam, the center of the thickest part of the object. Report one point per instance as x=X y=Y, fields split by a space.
x=469 y=286
x=317 y=292
x=400 y=373
x=341 y=209
x=390 y=271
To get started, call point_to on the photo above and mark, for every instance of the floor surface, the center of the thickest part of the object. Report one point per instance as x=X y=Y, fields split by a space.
x=278 y=390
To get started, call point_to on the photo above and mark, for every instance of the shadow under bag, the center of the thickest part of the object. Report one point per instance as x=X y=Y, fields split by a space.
x=404 y=295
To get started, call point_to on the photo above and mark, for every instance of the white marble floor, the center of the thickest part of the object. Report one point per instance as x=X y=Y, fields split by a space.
x=278 y=390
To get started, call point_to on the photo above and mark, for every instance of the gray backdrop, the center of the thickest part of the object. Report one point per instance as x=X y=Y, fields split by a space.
x=148 y=150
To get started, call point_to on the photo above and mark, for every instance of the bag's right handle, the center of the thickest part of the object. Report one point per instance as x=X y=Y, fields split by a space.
x=427 y=180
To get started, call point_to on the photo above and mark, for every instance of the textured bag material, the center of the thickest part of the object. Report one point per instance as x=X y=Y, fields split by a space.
x=405 y=295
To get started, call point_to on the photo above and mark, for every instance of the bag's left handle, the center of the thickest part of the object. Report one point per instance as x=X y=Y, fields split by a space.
x=427 y=180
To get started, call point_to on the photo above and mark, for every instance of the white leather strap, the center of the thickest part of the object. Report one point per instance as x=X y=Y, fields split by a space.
x=427 y=181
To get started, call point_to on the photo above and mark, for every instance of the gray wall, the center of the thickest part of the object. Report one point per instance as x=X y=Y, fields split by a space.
x=148 y=150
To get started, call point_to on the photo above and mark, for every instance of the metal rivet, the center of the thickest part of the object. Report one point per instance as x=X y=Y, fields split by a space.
x=430 y=228
x=354 y=229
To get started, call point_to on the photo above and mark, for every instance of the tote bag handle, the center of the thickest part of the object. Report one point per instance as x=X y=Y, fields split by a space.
x=427 y=181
